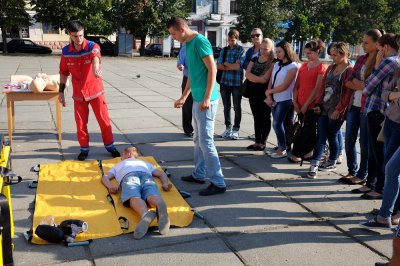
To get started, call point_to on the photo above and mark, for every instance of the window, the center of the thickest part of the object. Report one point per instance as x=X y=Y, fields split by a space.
x=214 y=7
x=212 y=37
x=49 y=29
x=233 y=7
x=194 y=3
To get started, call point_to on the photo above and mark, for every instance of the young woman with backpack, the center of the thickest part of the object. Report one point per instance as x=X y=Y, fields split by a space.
x=332 y=106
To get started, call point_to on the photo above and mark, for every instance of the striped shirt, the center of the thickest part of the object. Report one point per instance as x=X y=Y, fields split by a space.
x=232 y=78
x=379 y=79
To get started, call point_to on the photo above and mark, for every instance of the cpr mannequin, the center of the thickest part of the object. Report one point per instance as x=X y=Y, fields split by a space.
x=43 y=82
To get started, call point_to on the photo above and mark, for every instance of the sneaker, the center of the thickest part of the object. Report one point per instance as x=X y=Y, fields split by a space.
x=374 y=224
x=143 y=225
x=253 y=136
x=312 y=172
x=191 y=179
x=82 y=156
x=235 y=135
x=276 y=155
x=189 y=135
x=327 y=166
x=227 y=133
x=162 y=218
x=339 y=159
x=115 y=153
x=271 y=151
x=211 y=190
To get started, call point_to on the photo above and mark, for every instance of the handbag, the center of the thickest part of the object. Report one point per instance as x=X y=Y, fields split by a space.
x=244 y=89
x=219 y=72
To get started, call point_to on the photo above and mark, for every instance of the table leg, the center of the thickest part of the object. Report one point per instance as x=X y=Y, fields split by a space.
x=9 y=119
x=13 y=115
x=58 y=110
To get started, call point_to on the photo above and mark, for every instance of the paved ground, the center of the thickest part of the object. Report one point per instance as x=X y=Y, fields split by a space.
x=269 y=215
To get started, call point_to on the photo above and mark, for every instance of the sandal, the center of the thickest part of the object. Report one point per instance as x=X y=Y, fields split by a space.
x=292 y=160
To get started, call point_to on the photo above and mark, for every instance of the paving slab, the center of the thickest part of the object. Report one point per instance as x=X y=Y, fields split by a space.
x=252 y=206
x=209 y=252
x=312 y=244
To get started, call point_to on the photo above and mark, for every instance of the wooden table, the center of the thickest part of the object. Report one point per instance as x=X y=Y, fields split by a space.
x=31 y=96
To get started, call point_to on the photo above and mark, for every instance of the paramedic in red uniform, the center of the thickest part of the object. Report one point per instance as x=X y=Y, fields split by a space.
x=81 y=60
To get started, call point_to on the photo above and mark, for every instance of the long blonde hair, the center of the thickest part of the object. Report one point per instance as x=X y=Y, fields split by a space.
x=374 y=34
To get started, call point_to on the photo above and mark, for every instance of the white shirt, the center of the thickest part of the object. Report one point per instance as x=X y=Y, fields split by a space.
x=280 y=78
x=130 y=165
x=358 y=93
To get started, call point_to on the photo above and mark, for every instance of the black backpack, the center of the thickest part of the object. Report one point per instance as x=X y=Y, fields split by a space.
x=306 y=137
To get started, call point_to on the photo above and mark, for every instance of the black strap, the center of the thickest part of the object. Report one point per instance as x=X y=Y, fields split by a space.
x=224 y=53
x=111 y=200
x=5 y=230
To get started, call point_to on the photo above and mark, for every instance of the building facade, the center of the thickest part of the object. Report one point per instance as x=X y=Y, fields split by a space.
x=214 y=19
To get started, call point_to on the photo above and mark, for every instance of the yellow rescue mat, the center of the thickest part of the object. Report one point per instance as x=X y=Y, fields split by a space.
x=73 y=190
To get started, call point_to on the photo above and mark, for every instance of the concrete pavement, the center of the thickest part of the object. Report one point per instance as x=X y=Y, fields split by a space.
x=268 y=216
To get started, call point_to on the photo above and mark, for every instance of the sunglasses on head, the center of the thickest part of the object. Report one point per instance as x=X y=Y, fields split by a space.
x=255 y=35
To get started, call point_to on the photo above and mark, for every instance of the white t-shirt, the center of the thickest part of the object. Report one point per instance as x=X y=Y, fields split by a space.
x=358 y=93
x=130 y=165
x=280 y=78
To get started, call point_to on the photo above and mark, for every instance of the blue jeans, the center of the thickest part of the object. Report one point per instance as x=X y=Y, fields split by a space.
x=236 y=92
x=138 y=184
x=279 y=112
x=327 y=129
x=356 y=121
x=205 y=154
x=392 y=185
x=340 y=141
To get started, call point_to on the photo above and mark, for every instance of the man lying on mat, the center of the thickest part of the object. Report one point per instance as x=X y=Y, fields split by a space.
x=135 y=178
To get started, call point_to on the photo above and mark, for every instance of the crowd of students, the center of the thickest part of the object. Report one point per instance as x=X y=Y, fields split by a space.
x=365 y=95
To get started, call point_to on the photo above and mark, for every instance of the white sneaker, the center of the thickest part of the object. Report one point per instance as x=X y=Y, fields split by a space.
x=235 y=134
x=312 y=172
x=276 y=155
x=227 y=133
x=253 y=136
x=270 y=151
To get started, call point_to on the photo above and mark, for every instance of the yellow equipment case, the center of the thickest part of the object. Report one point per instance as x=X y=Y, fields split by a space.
x=6 y=217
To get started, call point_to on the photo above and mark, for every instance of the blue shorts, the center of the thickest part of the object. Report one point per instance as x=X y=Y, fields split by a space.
x=139 y=185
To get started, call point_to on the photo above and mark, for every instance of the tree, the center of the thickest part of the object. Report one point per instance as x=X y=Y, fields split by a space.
x=358 y=16
x=392 y=18
x=306 y=21
x=12 y=15
x=266 y=15
x=149 y=17
x=96 y=15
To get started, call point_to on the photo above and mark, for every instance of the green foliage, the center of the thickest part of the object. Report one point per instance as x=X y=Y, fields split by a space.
x=358 y=16
x=142 y=17
x=266 y=15
x=96 y=15
x=13 y=14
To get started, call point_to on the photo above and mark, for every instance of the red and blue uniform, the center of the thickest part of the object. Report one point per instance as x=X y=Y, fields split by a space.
x=87 y=89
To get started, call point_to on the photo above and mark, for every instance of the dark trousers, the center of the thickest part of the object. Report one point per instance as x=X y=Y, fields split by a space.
x=376 y=173
x=187 y=110
x=236 y=92
x=261 y=114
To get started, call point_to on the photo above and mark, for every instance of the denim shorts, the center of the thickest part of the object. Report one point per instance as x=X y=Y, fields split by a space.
x=139 y=185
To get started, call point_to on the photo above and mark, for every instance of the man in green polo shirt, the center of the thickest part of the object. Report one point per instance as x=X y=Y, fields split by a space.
x=201 y=82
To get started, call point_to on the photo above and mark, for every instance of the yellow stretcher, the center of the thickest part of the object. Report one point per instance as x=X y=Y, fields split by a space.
x=73 y=190
x=6 y=219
